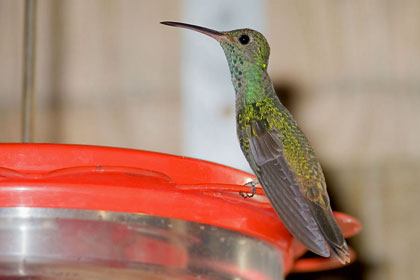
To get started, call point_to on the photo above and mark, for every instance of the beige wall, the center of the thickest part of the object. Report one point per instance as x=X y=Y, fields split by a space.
x=356 y=66
x=107 y=74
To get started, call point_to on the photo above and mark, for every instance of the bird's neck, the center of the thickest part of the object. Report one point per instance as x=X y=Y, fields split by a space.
x=251 y=82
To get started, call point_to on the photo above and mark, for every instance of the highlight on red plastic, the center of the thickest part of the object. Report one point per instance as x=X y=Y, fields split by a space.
x=133 y=181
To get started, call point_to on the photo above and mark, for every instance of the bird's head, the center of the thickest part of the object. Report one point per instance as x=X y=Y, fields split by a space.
x=245 y=47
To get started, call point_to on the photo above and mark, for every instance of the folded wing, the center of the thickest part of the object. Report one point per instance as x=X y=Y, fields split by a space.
x=280 y=185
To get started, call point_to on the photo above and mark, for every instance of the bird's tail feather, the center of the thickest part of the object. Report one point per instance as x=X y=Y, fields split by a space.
x=340 y=252
x=331 y=232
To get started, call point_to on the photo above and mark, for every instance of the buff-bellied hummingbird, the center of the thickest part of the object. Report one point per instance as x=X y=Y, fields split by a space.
x=276 y=148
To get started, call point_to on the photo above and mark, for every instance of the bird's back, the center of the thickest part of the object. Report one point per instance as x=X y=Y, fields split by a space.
x=290 y=173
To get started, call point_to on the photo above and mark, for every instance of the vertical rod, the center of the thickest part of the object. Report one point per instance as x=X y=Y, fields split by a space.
x=28 y=70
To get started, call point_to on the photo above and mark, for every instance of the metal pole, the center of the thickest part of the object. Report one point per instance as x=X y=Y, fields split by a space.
x=28 y=70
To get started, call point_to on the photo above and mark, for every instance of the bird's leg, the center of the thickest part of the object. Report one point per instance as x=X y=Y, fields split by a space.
x=251 y=184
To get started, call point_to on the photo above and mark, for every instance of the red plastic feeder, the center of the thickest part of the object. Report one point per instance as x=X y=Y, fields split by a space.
x=80 y=212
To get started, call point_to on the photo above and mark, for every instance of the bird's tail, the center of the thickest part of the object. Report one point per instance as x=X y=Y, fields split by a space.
x=331 y=232
x=340 y=252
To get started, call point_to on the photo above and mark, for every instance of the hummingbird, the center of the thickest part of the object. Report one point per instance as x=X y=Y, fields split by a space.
x=276 y=149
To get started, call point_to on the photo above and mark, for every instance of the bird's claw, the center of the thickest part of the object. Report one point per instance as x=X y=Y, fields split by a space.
x=251 y=184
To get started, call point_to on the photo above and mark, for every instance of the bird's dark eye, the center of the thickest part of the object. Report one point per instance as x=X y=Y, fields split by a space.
x=244 y=39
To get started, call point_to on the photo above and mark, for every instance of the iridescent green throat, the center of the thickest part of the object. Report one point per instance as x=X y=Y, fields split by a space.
x=249 y=78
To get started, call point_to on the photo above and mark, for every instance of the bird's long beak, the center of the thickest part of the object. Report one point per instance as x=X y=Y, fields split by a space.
x=209 y=32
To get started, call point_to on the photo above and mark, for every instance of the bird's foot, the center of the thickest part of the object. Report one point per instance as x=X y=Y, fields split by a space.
x=251 y=184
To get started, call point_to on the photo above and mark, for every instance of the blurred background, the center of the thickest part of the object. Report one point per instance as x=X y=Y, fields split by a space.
x=107 y=73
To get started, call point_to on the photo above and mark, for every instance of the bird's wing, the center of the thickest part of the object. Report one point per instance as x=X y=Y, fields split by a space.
x=282 y=189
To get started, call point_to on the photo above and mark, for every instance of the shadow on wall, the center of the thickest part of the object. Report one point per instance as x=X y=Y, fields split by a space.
x=288 y=93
